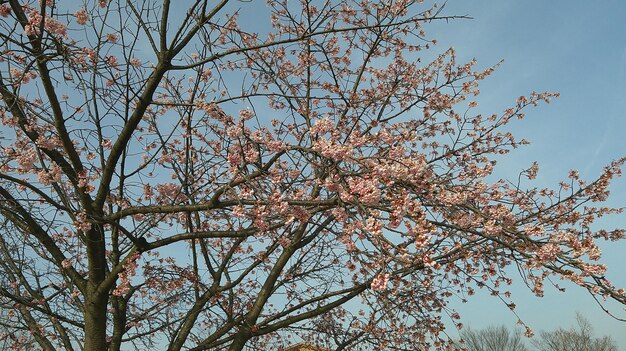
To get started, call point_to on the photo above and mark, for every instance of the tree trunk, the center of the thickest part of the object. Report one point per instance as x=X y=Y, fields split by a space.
x=96 y=324
x=240 y=341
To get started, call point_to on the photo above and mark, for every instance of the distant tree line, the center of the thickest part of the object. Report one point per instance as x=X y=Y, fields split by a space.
x=578 y=338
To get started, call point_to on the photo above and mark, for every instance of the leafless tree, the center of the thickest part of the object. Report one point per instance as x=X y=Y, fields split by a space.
x=579 y=338
x=492 y=339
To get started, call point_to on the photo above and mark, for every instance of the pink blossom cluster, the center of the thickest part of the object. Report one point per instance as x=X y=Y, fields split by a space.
x=21 y=77
x=125 y=275
x=169 y=192
x=380 y=282
x=82 y=17
x=82 y=222
x=5 y=10
x=365 y=190
x=50 y=175
x=51 y=25
x=246 y=114
x=322 y=126
x=332 y=150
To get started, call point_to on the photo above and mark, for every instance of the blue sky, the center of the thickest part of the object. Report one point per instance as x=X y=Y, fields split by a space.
x=577 y=48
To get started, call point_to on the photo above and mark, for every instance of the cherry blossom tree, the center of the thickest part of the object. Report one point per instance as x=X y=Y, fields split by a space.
x=227 y=174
